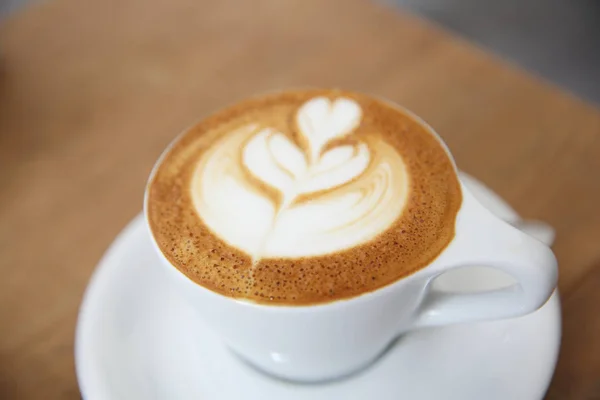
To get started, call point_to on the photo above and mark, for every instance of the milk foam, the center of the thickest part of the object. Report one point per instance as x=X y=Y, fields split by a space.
x=263 y=193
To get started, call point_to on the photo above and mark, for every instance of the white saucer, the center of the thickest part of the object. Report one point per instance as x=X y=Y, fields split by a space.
x=136 y=339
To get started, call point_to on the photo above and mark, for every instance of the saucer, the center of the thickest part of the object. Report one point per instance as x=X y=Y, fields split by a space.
x=137 y=339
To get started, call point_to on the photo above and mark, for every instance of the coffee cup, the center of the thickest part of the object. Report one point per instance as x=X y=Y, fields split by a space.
x=321 y=306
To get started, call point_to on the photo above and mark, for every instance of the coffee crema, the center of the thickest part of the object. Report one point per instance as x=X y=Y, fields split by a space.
x=303 y=197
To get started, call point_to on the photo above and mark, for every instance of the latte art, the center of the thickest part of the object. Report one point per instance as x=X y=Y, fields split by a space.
x=303 y=197
x=263 y=193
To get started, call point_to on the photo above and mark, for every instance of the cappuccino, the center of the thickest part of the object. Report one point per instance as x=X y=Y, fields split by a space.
x=303 y=197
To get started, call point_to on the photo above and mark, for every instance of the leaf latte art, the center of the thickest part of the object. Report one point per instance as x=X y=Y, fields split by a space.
x=315 y=188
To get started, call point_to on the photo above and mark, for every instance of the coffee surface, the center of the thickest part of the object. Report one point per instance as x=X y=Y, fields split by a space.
x=303 y=197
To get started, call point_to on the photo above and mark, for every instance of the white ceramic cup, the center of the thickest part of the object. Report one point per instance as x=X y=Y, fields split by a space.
x=321 y=342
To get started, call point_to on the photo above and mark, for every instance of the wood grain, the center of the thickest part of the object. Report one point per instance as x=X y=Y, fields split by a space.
x=91 y=92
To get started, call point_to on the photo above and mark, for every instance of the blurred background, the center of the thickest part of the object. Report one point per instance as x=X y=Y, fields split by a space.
x=557 y=39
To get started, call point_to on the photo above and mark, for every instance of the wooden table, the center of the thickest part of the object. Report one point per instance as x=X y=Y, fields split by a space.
x=91 y=92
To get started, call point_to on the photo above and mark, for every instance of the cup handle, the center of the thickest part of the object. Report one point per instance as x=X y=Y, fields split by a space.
x=482 y=239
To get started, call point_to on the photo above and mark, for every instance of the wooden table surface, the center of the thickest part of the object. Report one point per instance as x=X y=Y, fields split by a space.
x=91 y=92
